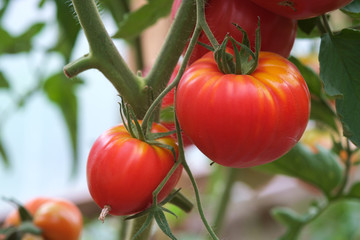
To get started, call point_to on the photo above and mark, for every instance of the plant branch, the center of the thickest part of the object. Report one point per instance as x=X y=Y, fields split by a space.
x=200 y=13
x=175 y=42
x=105 y=57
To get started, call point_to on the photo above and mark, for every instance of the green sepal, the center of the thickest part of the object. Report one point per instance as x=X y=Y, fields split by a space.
x=23 y=212
x=244 y=61
x=162 y=223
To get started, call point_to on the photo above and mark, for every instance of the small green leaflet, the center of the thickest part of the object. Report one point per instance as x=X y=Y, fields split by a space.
x=4 y=83
x=61 y=91
x=340 y=72
x=135 y=22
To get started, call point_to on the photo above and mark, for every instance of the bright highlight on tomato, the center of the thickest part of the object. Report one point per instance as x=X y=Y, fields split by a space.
x=59 y=219
x=277 y=33
x=243 y=120
x=301 y=9
x=122 y=171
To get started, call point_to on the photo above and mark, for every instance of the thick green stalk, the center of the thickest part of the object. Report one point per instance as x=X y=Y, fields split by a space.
x=105 y=57
x=175 y=42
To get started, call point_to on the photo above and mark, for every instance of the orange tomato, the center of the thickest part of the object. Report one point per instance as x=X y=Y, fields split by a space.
x=59 y=219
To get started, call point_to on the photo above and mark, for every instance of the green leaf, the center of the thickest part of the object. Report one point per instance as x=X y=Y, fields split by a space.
x=135 y=22
x=354 y=191
x=320 y=108
x=69 y=28
x=307 y=25
x=292 y=220
x=352 y=9
x=321 y=112
x=312 y=79
x=22 y=43
x=5 y=4
x=3 y=154
x=321 y=169
x=162 y=223
x=340 y=71
x=4 y=83
x=61 y=91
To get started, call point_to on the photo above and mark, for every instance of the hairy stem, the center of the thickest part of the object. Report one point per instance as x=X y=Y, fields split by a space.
x=175 y=42
x=105 y=57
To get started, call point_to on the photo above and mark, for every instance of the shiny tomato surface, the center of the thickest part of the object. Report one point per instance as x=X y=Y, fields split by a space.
x=122 y=171
x=59 y=219
x=243 y=120
x=301 y=9
x=277 y=33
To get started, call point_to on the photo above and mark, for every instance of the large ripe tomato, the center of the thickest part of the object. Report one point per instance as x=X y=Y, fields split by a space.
x=243 y=120
x=301 y=9
x=122 y=171
x=59 y=219
x=277 y=33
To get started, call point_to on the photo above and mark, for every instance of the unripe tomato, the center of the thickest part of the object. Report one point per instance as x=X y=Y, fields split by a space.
x=59 y=219
x=301 y=9
x=122 y=171
x=243 y=120
x=277 y=33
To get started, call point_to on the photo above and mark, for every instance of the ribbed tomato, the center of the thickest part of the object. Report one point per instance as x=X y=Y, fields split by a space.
x=301 y=9
x=123 y=171
x=58 y=219
x=243 y=120
x=277 y=33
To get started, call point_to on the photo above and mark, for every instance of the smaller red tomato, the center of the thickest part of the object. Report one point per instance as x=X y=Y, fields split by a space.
x=301 y=9
x=59 y=219
x=123 y=171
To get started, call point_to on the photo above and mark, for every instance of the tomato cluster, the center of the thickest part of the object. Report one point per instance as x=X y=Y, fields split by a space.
x=58 y=219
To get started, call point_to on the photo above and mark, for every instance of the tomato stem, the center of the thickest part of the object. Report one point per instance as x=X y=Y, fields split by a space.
x=104 y=212
x=326 y=25
x=181 y=71
x=201 y=19
x=193 y=182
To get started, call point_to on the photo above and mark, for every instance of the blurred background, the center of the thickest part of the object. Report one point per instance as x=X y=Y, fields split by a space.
x=48 y=124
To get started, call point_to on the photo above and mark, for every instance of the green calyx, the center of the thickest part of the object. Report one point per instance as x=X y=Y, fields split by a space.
x=144 y=134
x=243 y=61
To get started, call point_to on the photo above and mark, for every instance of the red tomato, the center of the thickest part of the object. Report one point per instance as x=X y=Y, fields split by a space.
x=301 y=9
x=58 y=219
x=243 y=120
x=277 y=33
x=122 y=171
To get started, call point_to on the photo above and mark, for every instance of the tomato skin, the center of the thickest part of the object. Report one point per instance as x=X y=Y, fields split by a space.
x=301 y=9
x=58 y=218
x=122 y=171
x=243 y=120
x=277 y=33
